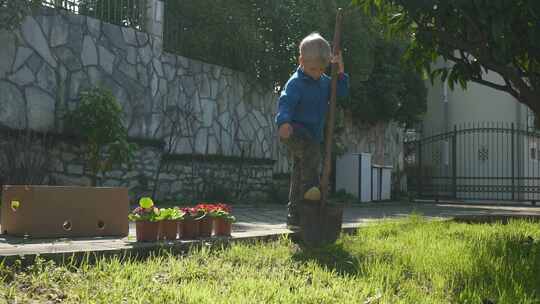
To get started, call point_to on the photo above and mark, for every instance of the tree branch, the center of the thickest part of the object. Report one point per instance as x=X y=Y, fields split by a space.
x=518 y=77
x=504 y=88
x=464 y=61
x=508 y=88
x=516 y=85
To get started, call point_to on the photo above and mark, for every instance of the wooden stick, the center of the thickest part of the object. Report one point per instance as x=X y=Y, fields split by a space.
x=327 y=167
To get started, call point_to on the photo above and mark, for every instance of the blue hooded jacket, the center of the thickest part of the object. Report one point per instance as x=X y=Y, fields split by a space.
x=304 y=102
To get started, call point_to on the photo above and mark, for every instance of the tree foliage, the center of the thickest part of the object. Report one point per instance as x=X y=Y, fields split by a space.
x=392 y=92
x=260 y=37
x=502 y=36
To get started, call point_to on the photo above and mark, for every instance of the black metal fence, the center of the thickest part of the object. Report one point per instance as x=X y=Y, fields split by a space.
x=128 y=13
x=477 y=161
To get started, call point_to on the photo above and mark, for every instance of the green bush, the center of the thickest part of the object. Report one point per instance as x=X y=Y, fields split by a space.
x=98 y=121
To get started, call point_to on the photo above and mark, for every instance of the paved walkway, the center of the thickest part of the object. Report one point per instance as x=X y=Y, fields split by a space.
x=263 y=222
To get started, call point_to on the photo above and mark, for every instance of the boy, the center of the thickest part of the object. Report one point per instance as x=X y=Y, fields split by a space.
x=300 y=118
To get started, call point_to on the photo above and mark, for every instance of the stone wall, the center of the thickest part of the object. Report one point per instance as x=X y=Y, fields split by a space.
x=179 y=179
x=218 y=179
x=383 y=140
x=70 y=168
x=191 y=106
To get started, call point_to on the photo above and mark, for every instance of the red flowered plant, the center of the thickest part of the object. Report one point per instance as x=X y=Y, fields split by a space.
x=205 y=207
x=210 y=208
x=193 y=213
x=223 y=207
x=218 y=210
x=222 y=211
x=224 y=215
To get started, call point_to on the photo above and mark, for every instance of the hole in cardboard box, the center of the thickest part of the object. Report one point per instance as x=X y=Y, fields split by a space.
x=67 y=225
x=15 y=205
x=101 y=225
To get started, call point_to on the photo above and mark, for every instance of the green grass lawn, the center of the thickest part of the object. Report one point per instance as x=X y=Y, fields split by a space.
x=409 y=261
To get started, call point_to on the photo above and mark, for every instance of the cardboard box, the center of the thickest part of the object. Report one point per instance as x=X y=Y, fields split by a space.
x=50 y=211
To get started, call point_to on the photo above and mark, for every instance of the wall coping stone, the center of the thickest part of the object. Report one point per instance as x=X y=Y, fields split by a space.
x=217 y=158
x=143 y=142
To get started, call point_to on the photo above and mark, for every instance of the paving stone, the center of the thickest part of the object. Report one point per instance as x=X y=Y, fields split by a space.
x=75 y=169
x=128 y=69
x=142 y=38
x=209 y=109
x=131 y=55
x=60 y=31
x=75 y=38
x=35 y=62
x=76 y=20
x=106 y=60
x=23 y=76
x=129 y=36
x=40 y=109
x=89 y=53
x=154 y=85
x=78 y=82
x=163 y=88
x=142 y=75
x=12 y=106
x=114 y=34
x=7 y=52
x=94 y=27
x=157 y=46
x=71 y=61
x=46 y=79
x=189 y=85
x=145 y=54
x=170 y=71
x=22 y=55
x=158 y=68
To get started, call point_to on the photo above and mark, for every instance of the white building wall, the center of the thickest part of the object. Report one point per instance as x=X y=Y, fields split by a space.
x=479 y=154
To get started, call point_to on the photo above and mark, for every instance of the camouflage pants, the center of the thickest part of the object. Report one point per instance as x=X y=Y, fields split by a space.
x=306 y=159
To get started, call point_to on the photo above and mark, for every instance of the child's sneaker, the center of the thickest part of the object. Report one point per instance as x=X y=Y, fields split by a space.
x=293 y=218
x=293 y=222
x=293 y=226
x=313 y=194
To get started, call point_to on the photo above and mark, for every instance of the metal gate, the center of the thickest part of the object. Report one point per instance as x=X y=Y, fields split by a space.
x=477 y=161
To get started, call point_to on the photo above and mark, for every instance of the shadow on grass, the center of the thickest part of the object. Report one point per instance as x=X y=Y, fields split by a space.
x=495 y=218
x=332 y=257
x=507 y=270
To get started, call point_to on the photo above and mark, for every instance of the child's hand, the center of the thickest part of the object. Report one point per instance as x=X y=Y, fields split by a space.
x=339 y=60
x=285 y=131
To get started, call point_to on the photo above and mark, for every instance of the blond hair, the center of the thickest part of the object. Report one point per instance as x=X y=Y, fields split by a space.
x=314 y=48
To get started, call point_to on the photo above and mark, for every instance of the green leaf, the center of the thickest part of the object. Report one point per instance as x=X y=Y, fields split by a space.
x=98 y=121
x=146 y=202
x=502 y=34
